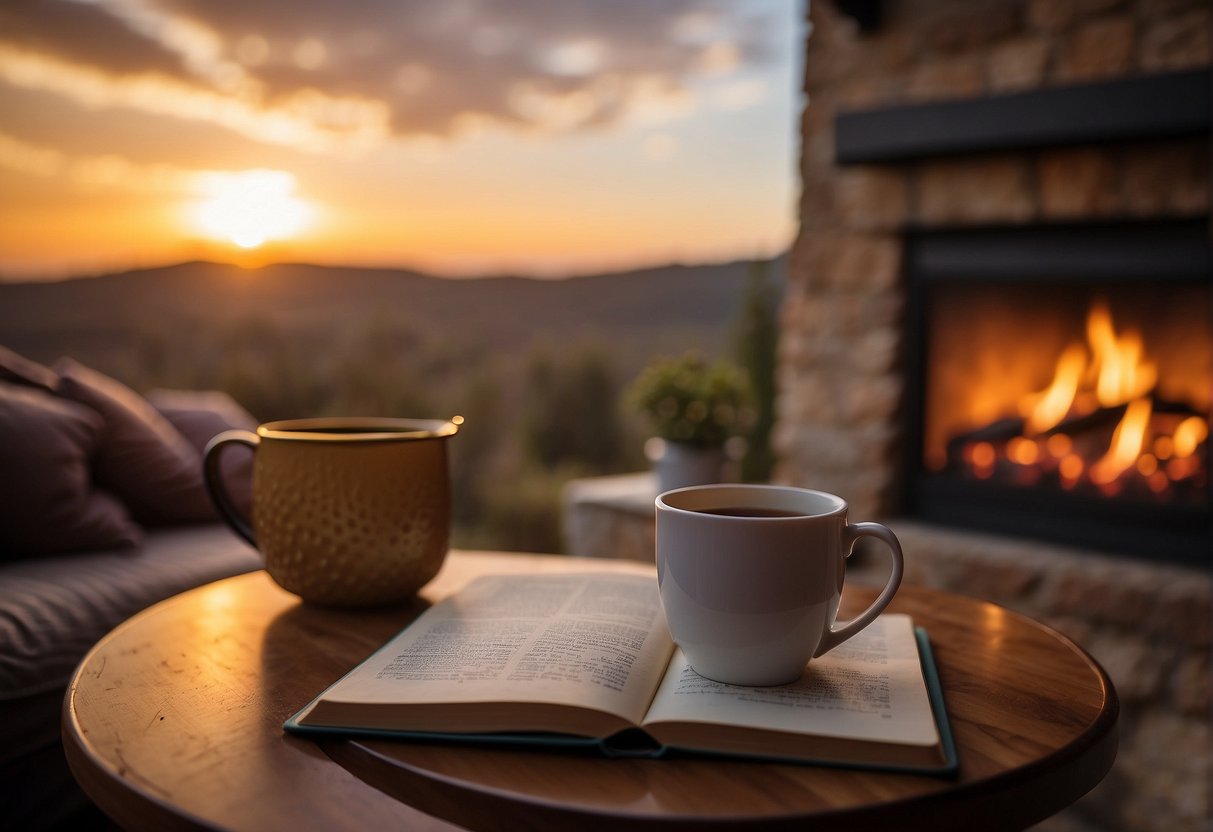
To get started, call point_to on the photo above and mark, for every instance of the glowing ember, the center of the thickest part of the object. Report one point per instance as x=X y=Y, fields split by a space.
x=1188 y=435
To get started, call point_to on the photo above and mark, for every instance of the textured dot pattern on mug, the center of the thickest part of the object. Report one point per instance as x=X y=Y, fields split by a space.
x=323 y=513
x=346 y=511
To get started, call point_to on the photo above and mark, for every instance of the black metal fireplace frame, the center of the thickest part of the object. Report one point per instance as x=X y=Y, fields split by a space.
x=1172 y=253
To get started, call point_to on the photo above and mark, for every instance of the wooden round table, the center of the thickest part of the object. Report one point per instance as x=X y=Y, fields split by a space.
x=174 y=721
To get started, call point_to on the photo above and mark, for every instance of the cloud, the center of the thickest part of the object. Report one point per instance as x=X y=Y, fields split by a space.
x=101 y=171
x=309 y=68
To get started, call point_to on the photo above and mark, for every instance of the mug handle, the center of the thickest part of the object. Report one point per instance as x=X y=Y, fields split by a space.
x=214 y=479
x=851 y=533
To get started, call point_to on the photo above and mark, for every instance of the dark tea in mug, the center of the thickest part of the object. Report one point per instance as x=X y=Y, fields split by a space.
x=750 y=511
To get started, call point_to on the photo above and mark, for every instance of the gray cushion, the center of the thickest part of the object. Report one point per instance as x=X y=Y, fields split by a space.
x=52 y=610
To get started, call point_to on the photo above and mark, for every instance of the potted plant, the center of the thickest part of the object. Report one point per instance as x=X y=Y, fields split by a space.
x=696 y=409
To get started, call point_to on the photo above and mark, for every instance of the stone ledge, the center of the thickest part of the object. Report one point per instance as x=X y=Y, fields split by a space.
x=1161 y=601
x=611 y=517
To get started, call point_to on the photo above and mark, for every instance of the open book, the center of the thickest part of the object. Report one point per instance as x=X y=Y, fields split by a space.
x=586 y=659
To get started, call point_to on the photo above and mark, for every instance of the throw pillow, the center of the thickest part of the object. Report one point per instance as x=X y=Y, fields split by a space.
x=200 y=416
x=47 y=502
x=20 y=370
x=142 y=458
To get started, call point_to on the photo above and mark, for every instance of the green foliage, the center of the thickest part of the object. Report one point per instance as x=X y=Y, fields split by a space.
x=755 y=344
x=480 y=403
x=688 y=400
x=522 y=513
x=569 y=415
x=376 y=372
x=271 y=371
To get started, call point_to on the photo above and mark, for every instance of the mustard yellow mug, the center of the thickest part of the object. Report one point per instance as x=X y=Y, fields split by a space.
x=346 y=511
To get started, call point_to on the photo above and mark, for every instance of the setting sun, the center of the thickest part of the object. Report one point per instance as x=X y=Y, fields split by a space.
x=458 y=139
x=251 y=208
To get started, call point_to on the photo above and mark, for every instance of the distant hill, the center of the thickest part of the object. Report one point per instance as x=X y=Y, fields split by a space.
x=537 y=367
x=644 y=310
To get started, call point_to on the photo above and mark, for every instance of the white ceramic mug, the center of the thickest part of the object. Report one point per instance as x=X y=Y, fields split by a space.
x=750 y=599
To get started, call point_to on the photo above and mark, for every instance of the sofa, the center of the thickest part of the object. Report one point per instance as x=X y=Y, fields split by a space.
x=103 y=513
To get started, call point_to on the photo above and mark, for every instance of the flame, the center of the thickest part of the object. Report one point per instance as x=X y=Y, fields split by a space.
x=1188 y=435
x=1047 y=408
x=1152 y=448
x=1127 y=443
x=1122 y=375
x=1116 y=369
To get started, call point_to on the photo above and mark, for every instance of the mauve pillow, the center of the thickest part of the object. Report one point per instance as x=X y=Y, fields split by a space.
x=201 y=415
x=142 y=458
x=47 y=502
x=20 y=370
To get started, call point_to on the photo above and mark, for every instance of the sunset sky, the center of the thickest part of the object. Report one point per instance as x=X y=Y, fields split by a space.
x=543 y=137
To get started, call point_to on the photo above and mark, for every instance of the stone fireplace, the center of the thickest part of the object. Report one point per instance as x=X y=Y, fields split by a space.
x=1035 y=172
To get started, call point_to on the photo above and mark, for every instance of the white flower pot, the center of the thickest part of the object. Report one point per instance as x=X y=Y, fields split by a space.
x=678 y=465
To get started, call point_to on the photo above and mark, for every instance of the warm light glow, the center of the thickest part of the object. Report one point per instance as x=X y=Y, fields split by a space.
x=1122 y=375
x=1023 y=451
x=1053 y=404
x=1116 y=369
x=983 y=454
x=1178 y=469
x=1059 y=445
x=1127 y=443
x=1071 y=467
x=1147 y=464
x=994 y=626
x=1164 y=447
x=1105 y=400
x=251 y=208
x=465 y=141
x=1089 y=383
x=1188 y=435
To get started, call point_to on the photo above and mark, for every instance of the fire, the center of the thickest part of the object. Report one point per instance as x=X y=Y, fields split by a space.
x=1046 y=409
x=1115 y=370
x=1127 y=442
x=1067 y=431
x=1121 y=373
x=1188 y=434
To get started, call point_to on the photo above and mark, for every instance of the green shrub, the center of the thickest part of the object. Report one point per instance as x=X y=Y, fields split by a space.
x=689 y=400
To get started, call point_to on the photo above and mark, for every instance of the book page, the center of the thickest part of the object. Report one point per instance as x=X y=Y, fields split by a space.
x=590 y=640
x=870 y=687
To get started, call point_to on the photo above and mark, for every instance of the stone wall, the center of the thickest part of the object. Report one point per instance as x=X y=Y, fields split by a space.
x=840 y=373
